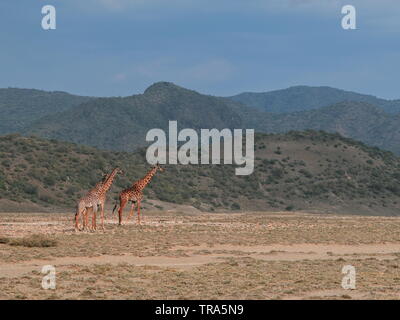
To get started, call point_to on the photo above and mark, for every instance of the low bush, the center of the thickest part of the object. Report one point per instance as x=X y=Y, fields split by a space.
x=35 y=240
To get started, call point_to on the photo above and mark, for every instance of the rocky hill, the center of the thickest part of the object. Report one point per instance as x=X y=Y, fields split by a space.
x=293 y=171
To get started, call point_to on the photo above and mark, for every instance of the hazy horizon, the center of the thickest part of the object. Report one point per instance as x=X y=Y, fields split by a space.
x=206 y=93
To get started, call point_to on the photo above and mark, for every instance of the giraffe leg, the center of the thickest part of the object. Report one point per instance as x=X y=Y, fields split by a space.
x=132 y=208
x=76 y=220
x=83 y=219
x=86 y=219
x=102 y=216
x=122 y=205
x=94 y=217
x=78 y=214
x=138 y=211
x=83 y=215
x=115 y=207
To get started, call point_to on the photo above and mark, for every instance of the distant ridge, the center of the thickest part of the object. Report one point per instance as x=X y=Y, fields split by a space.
x=301 y=98
x=124 y=122
x=20 y=107
x=121 y=123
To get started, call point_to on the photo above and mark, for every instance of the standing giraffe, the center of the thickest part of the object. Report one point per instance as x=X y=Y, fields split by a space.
x=103 y=193
x=94 y=198
x=135 y=194
x=90 y=200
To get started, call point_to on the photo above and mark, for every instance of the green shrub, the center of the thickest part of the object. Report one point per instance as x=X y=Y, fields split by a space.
x=235 y=206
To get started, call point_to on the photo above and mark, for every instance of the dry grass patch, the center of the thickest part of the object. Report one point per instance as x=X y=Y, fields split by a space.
x=4 y=240
x=245 y=258
x=35 y=240
x=233 y=278
x=158 y=239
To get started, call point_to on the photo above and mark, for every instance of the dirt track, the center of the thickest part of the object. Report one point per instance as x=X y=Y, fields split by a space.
x=296 y=252
x=313 y=247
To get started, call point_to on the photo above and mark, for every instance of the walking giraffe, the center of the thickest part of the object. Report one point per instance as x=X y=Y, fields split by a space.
x=135 y=194
x=103 y=194
x=94 y=198
x=90 y=200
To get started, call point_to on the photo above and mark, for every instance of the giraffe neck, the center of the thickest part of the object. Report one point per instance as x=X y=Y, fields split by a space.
x=98 y=186
x=146 y=179
x=109 y=181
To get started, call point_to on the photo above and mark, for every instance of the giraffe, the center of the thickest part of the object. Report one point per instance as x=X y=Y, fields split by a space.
x=103 y=193
x=135 y=194
x=90 y=200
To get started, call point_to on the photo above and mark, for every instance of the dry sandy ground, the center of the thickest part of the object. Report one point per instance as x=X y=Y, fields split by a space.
x=204 y=256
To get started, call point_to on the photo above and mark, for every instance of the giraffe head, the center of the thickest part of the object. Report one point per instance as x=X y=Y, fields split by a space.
x=113 y=174
x=159 y=168
x=108 y=181
x=116 y=171
x=119 y=171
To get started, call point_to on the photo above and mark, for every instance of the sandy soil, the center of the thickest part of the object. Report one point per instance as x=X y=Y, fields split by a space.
x=259 y=245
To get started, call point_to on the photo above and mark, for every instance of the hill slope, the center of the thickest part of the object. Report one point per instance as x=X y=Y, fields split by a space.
x=20 y=107
x=355 y=120
x=298 y=170
x=122 y=123
x=301 y=98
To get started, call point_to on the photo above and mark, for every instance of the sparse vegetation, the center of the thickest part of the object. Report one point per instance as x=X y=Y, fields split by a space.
x=35 y=240
x=264 y=255
x=21 y=107
x=131 y=117
x=4 y=240
x=37 y=173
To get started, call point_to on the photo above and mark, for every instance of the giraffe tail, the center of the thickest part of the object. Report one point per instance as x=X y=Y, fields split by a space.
x=115 y=206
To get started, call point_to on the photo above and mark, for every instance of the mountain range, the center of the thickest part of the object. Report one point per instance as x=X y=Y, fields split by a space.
x=121 y=123
x=20 y=107
x=301 y=98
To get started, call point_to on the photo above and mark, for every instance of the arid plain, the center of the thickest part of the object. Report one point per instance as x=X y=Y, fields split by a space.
x=178 y=255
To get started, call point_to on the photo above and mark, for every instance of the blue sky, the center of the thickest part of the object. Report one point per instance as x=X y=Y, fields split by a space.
x=220 y=47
